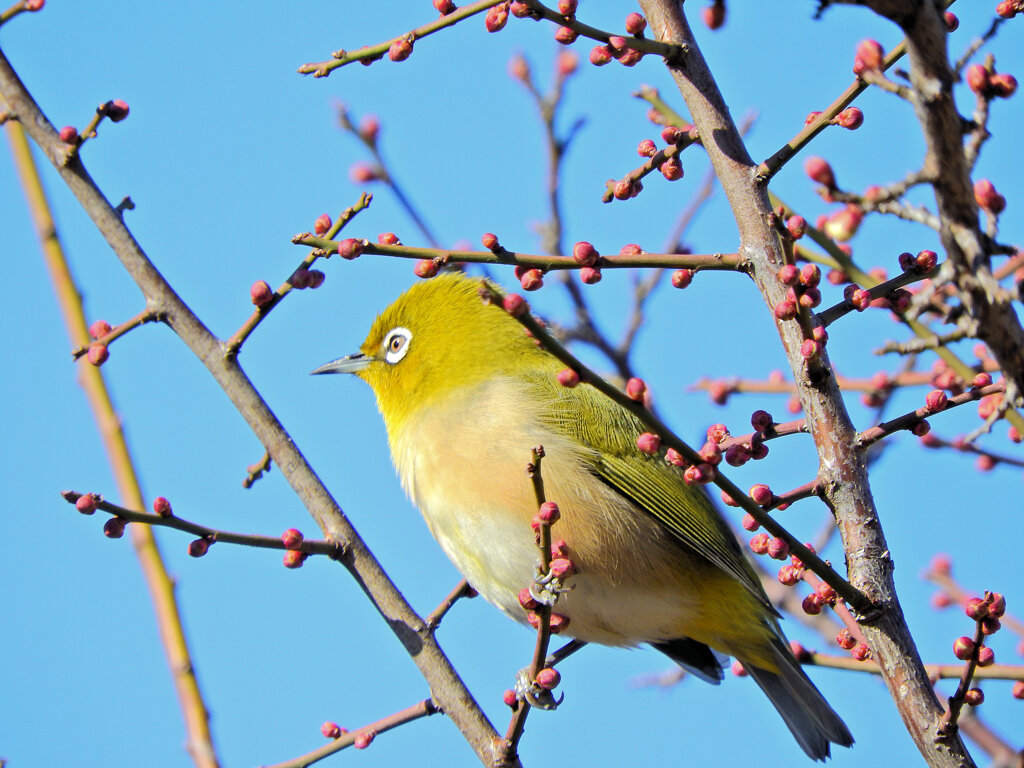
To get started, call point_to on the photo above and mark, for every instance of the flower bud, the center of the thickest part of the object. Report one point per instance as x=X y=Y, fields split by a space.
x=294 y=558
x=850 y=118
x=682 y=278
x=845 y=639
x=584 y=254
x=548 y=678
x=986 y=656
x=761 y=494
x=350 y=248
x=759 y=543
x=97 y=354
x=648 y=443
x=292 y=538
x=870 y=54
x=400 y=50
x=590 y=275
x=963 y=648
x=636 y=24
x=261 y=294
x=818 y=169
x=567 y=377
x=778 y=549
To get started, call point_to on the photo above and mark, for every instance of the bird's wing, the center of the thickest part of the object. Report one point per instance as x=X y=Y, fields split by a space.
x=649 y=482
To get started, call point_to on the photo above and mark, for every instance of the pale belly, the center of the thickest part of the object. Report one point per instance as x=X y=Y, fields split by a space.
x=634 y=584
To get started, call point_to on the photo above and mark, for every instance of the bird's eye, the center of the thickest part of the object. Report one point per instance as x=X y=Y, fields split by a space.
x=396 y=344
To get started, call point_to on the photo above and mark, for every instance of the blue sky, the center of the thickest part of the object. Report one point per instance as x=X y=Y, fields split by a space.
x=227 y=153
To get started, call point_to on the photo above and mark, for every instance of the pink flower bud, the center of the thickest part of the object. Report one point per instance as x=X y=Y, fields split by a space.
x=87 y=503
x=362 y=173
x=963 y=648
x=515 y=305
x=566 y=35
x=444 y=7
x=425 y=268
x=786 y=309
x=69 y=134
x=636 y=389
x=789 y=274
x=810 y=349
x=400 y=50
x=850 y=118
x=322 y=224
x=567 y=377
x=333 y=730
x=496 y=18
x=567 y=7
x=548 y=679
x=364 y=739
x=350 y=248
x=600 y=55
x=1018 y=689
x=568 y=63
x=558 y=623
x=162 y=507
x=713 y=15
x=778 y=549
x=860 y=299
x=749 y=522
x=796 y=226
x=974 y=697
x=590 y=275
x=987 y=198
x=870 y=54
x=986 y=656
x=672 y=168
x=1003 y=85
x=698 y=474
x=261 y=294
x=97 y=354
x=845 y=639
x=997 y=606
x=631 y=249
x=636 y=24
x=759 y=543
x=978 y=79
x=682 y=278
x=935 y=401
x=861 y=652
x=294 y=559
x=584 y=254
x=648 y=443
x=736 y=455
x=490 y=241
x=562 y=568
x=761 y=494
x=646 y=148
x=811 y=604
x=99 y=329
x=952 y=22
x=292 y=538
x=818 y=169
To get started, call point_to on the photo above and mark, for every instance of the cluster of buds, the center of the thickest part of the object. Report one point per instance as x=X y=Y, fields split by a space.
x=1007 y=9
x=848 y=642
x=988 y=84
x=616 y=48
x=802 y=289
x=303 y=278
x=293 y=556
x=987 y=198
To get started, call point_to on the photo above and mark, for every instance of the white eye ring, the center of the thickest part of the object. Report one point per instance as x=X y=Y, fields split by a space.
x=396 y=344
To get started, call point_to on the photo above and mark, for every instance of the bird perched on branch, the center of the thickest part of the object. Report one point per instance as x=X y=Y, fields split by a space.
x=465 y=394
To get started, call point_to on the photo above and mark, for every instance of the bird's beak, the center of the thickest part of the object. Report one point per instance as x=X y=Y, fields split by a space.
x=349 y=364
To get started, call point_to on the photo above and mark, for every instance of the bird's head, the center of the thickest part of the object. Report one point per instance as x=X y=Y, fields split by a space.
x=438 y=337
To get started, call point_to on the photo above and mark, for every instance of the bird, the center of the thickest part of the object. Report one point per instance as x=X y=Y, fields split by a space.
x=465 y=394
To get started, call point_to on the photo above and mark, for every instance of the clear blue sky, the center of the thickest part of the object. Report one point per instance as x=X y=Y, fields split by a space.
x=227 y=153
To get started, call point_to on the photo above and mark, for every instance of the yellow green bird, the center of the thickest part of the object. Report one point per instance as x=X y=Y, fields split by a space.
x=465 y=394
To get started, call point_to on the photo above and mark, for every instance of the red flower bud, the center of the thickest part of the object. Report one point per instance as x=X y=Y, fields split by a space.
x=636 y=24
x=870 y=54
x=850 y=118
x=548 y=678
x=590 y=275
x=97 y=354
x=585 y=254
x=600 y=55
x=682 y=278
x=759 y=543
x=567 y=377
x=963 y=648
x=162 y=507
x=400 y=50
x=294 y=559
x=292 y=538
x=648 y=443
x=761 y=494
x=818 y=169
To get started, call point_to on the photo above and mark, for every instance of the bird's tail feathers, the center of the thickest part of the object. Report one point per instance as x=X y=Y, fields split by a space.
x=811 y=720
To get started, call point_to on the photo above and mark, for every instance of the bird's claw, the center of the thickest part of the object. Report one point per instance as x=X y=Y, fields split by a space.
x=527 y=690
